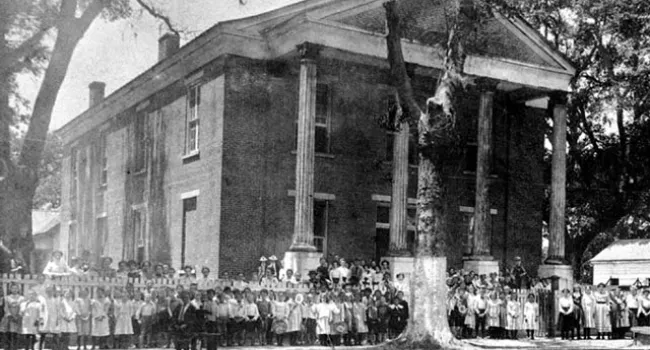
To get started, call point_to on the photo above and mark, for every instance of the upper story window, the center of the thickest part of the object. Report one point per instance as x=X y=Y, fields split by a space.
x=323 y=118
x=103 y=158
x=413 y=147
x=140 y=155
x=192 y=120
x=74 y=177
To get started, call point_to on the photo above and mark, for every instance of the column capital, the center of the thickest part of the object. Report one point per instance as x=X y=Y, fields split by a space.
x=309 y=51
x=486 y=84
x=557 y=98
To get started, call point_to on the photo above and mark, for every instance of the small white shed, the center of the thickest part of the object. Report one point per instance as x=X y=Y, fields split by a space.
x=625 y=261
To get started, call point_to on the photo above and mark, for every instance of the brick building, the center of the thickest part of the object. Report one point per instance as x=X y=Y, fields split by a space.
x=213 y=156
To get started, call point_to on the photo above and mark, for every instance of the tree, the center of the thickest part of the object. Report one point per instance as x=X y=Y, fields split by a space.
x=428 y=327
x=25 y=26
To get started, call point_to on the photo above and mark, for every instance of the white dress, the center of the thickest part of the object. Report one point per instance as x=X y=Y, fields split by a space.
x=323 y=313
x=359 y=314
x=123 y=314
x=589 y=310
x=51 y=317
x=99 y=311
x=295 y=317
x=513 y=315
x=67 y=317
x=32 y=316
x=531 y=312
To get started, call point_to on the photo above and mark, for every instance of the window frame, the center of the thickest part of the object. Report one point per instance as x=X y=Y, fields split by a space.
x=193 y=119
x=327 y=125
x=325 y=225
x=186 y=208
x=103 y=156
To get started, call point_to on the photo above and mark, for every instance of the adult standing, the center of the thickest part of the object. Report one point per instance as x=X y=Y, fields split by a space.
x=588 y=304
x=578 y=312
x=566 y=314
x=603 y=322
x=632 y=301
x=643 y=314
x=519 y=274
x=56 y=267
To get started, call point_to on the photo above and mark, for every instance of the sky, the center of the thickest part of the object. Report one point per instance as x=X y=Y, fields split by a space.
x=116 y=52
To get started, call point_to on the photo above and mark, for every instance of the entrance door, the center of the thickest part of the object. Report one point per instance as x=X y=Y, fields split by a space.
x=382 y=242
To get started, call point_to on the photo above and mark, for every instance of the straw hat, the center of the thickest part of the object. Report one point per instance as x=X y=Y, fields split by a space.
x=263 y=258
x=273 y=258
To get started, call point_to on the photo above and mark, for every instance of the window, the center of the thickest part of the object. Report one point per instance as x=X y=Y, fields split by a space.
x=413 y=147
x=192 y=127
x=103 y=158
x=139 y=235
x=466 y=227
x=382 y=228
x=322 y=118
x=102 y=235
x=140 y=142
x=321 y=209
x=72 y=240
x=74 y=179
x=189 y=209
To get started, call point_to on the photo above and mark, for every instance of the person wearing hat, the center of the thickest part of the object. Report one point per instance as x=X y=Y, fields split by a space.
x=643 y=314
x=106 y=270
x=280 y=311
x=261 y=270
x=273 y=265
x=205 y=282
x=56 y=266
x=519 y=274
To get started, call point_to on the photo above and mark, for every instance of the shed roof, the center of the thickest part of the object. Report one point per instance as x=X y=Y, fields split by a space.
x=44 y=220
x=625 y=250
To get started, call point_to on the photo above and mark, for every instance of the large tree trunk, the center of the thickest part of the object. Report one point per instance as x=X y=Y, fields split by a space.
x=20 y=185
x=428 y=327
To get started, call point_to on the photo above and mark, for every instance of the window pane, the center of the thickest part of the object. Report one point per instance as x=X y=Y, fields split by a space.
x=322 y=140
x=411 y=213
x=322 y=104
x=192 y=143
x=410 y=239
x=413 y=150
x=319 y=243
x=189 y=204
x=383 y=214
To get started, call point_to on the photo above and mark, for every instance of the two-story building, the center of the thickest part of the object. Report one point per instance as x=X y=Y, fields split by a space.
x=262 y=136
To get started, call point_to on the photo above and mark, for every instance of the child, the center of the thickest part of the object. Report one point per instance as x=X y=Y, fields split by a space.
x=280 y=311
x=99 y=309
x=513 y=316
x=480 y=310
x=469 y=301
x=32 y=319
x=67 y=319
x=348 y=318
x=323 y=312
x=145 y=316
x=264 y=309
x=493 y=311
x=50 y=324
x=531 y=316
x=383 y=315
x=82 y=306
x=372 y=319
x=123 y=313
x=338 y=316
x=503 y=316
x=309 y=320
x=252 y=317
x=10 y=324
x=294 y=322
x=360 y=320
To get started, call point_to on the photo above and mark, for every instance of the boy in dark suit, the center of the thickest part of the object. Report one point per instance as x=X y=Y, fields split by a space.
x=185 y=323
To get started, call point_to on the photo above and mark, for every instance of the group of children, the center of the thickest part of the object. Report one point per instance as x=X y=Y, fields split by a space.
x=53 y=317
x=472 y=312
x=123 y=318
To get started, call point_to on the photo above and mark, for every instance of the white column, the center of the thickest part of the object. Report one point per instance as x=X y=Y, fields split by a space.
x=302 y=255
x=399 y=198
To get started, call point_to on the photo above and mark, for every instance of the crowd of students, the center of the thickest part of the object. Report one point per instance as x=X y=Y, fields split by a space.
x=273 y=307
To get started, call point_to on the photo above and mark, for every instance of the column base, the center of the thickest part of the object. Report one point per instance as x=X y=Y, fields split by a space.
x=481 y=265
x=400 y=264
x=301 y=261
x=563 y=272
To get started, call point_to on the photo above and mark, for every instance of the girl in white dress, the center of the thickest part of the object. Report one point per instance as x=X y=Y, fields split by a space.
x=294 y=321
x=10 y=324
x=67 y=318
x=360 y=320
x=82 y=305
x=566 y=314
x=100 y=307
x=32 y=314
x=589 y=312
x=470 y=311
x=123 y=312
x=512 y=318
x=51 y=318
x=603 y=321
x=531 y=316
x=493 y=310
x=323 y=313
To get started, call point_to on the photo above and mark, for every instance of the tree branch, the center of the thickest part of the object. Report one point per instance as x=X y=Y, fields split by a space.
x=158 y=14
x=398 y=72
x=92 y=11
x=68 y=9
x=586 y=126
x=11 y=59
